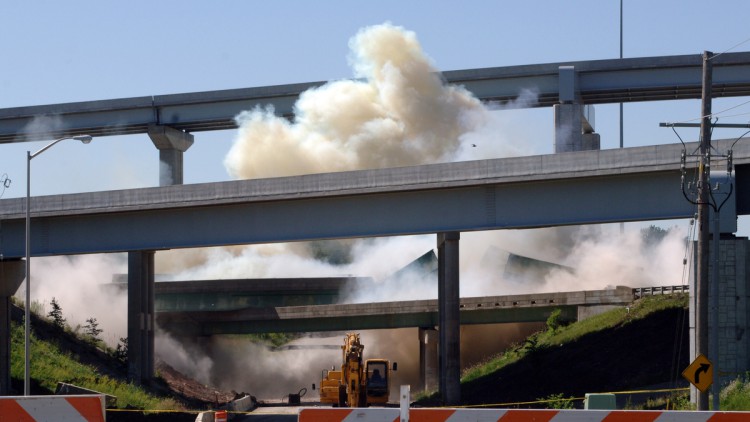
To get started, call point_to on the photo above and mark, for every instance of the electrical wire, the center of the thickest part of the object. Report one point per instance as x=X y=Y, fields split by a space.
x=684 y=147
x=686 y=271
x=738 y=139
x=718 y=113
x=4 y=183
x=730 y=108
x=729 y=49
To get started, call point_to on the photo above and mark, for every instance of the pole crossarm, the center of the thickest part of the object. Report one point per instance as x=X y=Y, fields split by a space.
x=600 y=82
x=713 y=125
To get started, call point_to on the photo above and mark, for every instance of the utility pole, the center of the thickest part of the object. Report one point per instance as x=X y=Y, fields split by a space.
x=701 y=295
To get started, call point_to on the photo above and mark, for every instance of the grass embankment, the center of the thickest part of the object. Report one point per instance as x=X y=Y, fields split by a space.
x=50 y=365
x=558 y=335
x=623 y=349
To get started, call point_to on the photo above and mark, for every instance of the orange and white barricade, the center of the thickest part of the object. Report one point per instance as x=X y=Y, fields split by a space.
x=84 y=408
x=515 y=415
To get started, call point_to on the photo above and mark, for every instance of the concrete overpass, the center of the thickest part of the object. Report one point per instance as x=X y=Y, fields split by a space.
x=387 y=315
x=590 y=187
x=593 y=82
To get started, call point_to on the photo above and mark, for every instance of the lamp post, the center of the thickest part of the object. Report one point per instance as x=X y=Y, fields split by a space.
x=27 y=315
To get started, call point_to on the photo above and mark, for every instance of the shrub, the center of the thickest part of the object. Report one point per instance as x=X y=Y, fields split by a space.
x=56 y=314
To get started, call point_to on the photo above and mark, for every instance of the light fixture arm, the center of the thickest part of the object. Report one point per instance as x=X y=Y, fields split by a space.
x=83 y=138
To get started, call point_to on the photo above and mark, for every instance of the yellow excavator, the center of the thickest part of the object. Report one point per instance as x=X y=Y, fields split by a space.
x=359 y=383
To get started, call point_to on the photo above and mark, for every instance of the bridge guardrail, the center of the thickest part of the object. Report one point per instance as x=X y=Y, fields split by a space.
x=640 y=292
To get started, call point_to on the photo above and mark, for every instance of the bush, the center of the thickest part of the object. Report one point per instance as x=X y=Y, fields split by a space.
x=92 y=330
x=558 y=401
x=56 y=315
x=553 y=321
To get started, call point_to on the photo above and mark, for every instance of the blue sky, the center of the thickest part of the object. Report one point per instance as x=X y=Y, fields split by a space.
x=88 y=50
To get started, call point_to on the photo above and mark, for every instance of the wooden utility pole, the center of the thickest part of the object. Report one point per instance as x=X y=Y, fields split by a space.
x=701 y=294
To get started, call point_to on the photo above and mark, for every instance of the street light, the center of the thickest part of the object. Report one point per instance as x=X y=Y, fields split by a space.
x=27 y=316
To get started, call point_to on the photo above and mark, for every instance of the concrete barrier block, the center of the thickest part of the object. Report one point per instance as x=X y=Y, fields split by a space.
x=205 y=417
x=70 y=389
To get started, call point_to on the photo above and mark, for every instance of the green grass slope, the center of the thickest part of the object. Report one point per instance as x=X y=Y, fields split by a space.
x=60 y=356
x=624 y=349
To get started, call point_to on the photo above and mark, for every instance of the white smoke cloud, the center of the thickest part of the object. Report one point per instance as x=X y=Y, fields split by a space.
x=186 y=359
x=241 y=365
x=42 y=125
x=399 y=114
x=611 y=259
x=77 y=284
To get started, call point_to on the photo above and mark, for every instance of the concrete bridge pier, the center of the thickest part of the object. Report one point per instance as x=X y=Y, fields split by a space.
x=141 y=316
x=428 y=359
x=171 y=143
x=574 y=122
x=12 y=273
x=448 y=316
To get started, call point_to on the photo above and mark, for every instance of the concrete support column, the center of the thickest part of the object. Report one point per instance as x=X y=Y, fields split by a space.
x=449 y=319
x=428 y=359
x=141 y=316
x=171 y=143
x=12 y=273
x=733 y=322
x=574 y=122
x=568 y=135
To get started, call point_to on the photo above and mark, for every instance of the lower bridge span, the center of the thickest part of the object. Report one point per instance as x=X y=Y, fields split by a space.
x=383 y=315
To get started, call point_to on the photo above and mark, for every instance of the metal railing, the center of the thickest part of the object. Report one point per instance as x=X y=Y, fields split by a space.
x=639 y=292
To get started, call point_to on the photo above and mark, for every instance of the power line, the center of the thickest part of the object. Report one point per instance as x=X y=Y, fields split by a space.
x=715 y=114
x=730 y=108
x=4 y=183
x=729 y=49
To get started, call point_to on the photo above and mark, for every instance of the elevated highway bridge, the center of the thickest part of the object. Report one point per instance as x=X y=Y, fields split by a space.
x=596 y=82
x=387 y=315
x=586 y=187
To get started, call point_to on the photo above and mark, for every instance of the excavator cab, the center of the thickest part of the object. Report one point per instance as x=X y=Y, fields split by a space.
x=376 y=382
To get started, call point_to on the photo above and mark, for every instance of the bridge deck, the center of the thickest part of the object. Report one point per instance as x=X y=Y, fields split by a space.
x=589 y=187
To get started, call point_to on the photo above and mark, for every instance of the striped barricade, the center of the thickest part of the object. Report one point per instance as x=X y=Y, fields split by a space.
x=84 y=408
x=323 y=414
x=516 y=415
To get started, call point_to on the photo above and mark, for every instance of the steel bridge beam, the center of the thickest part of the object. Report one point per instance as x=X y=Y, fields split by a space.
x=600 y=81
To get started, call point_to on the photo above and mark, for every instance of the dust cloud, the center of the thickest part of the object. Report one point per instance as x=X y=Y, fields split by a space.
x=77 y=283
x=398 y=113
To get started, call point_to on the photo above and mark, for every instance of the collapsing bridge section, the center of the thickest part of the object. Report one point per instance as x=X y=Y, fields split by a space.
x=420 y=313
